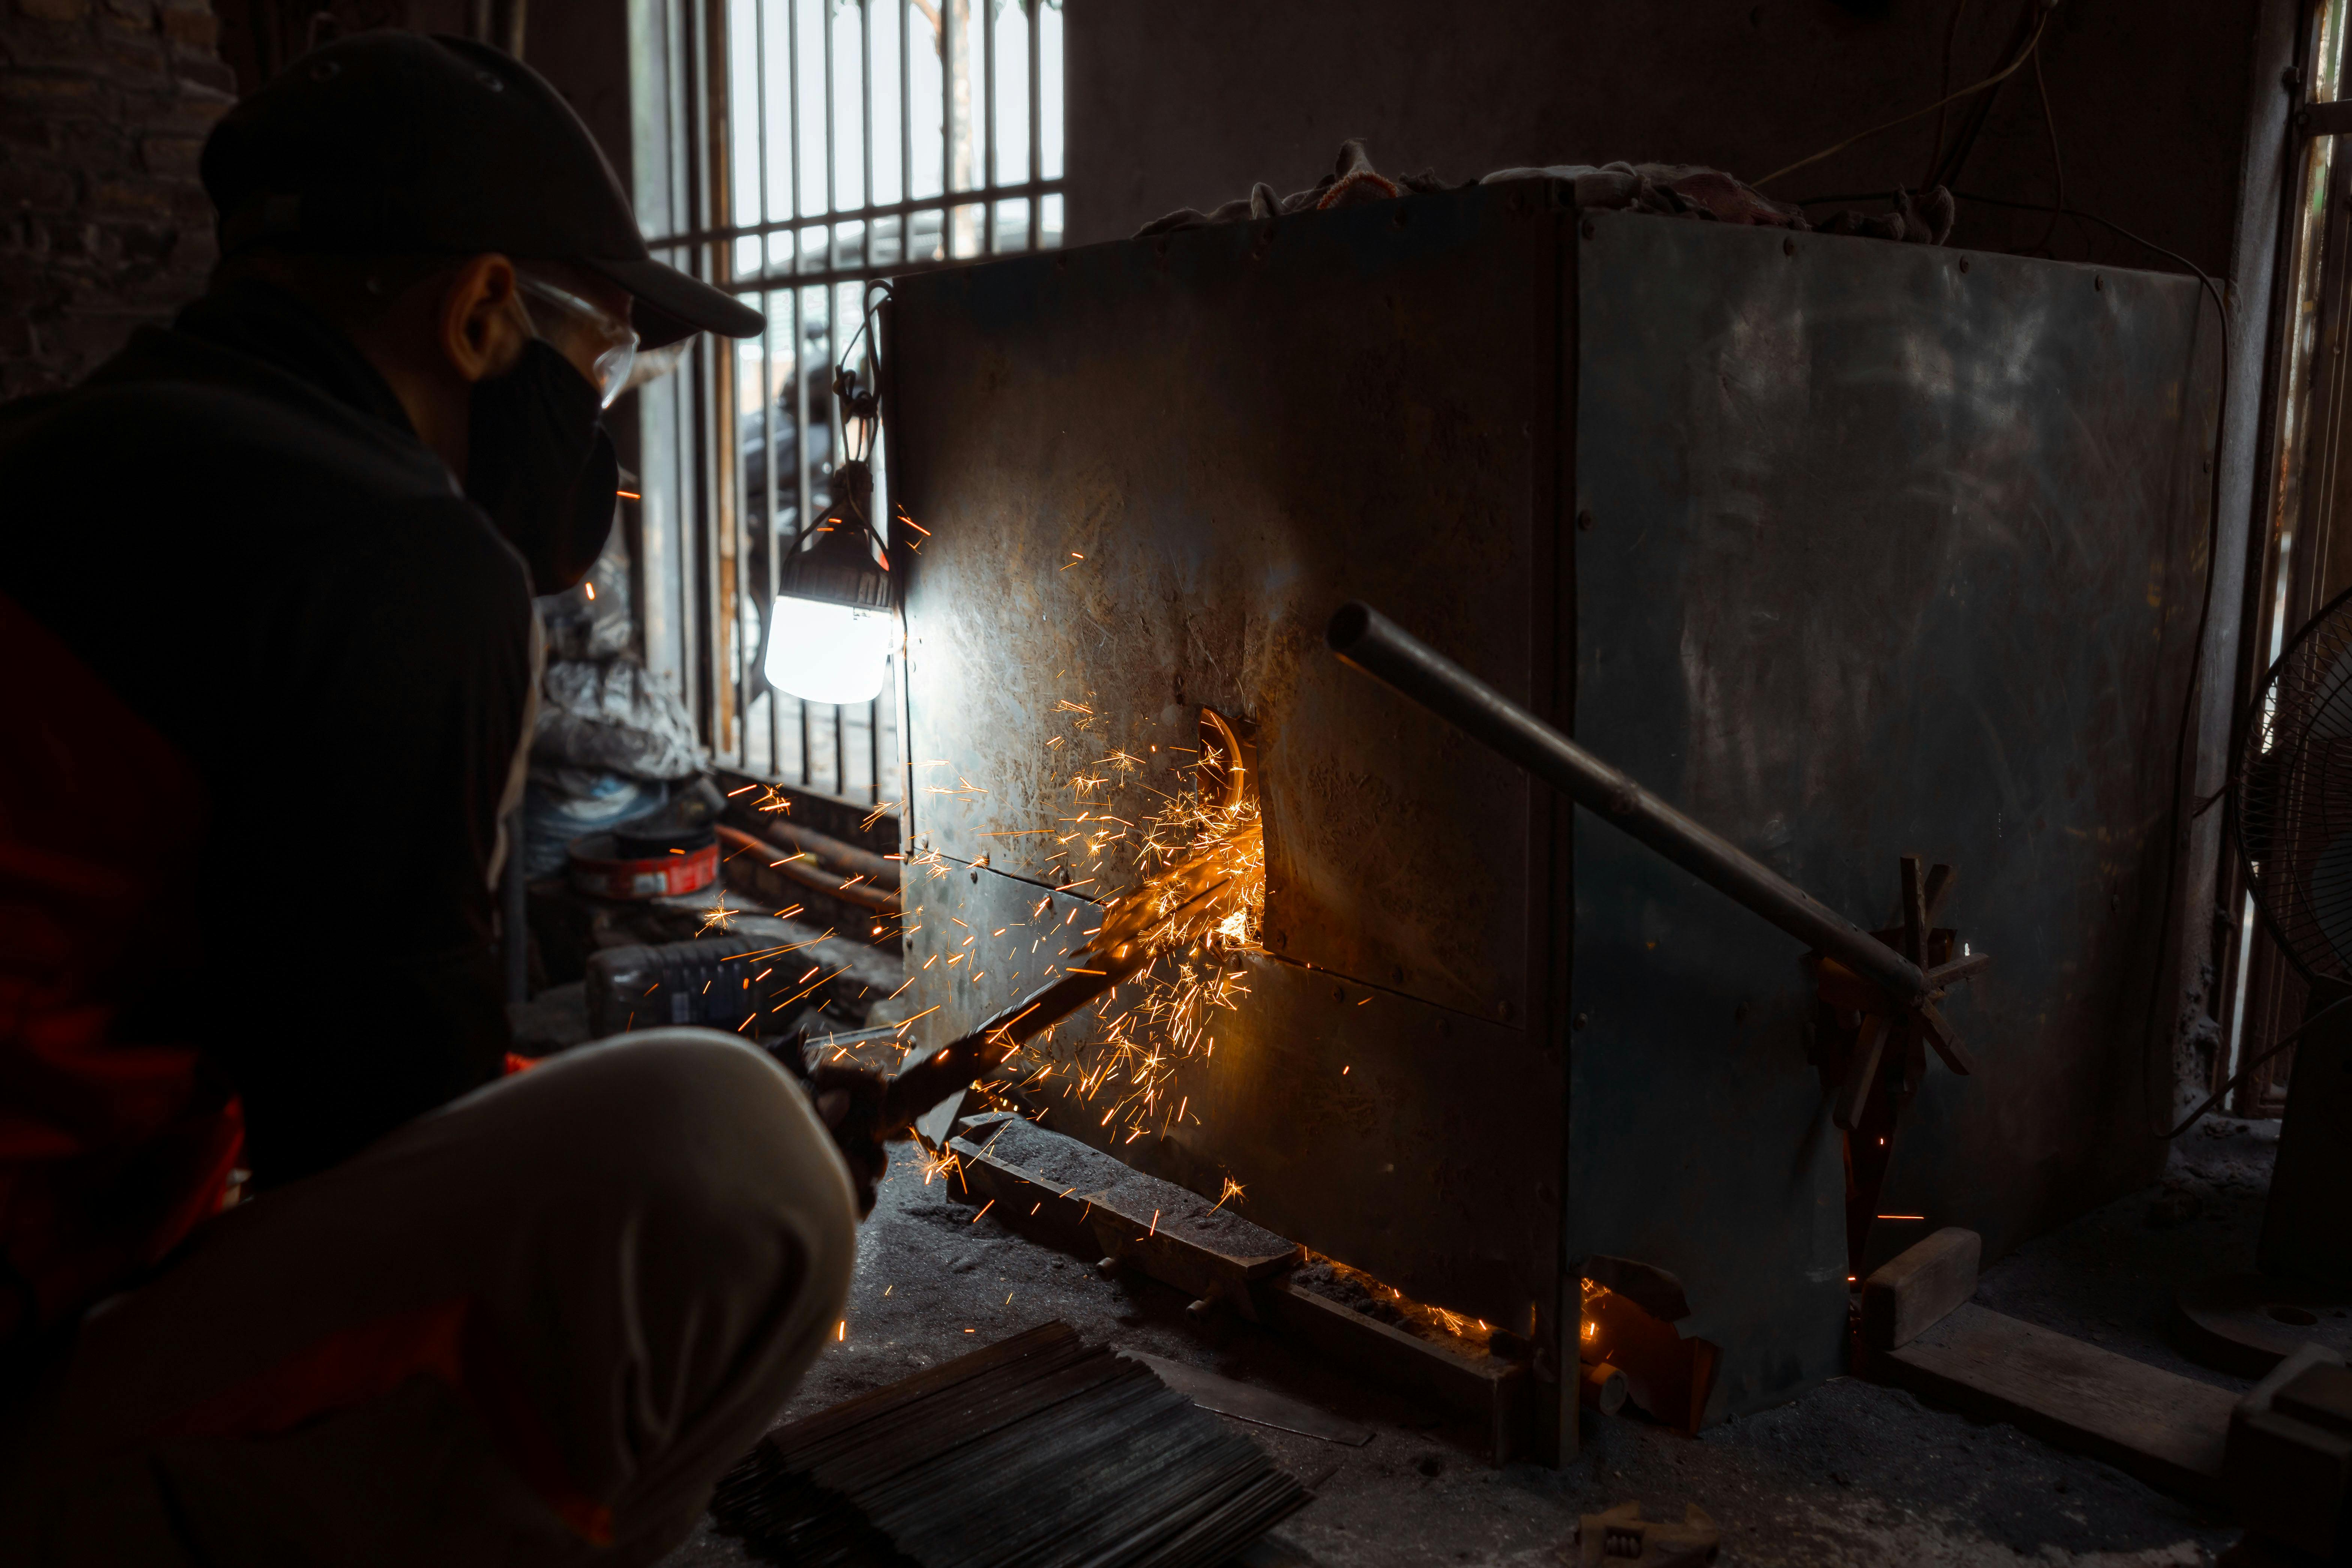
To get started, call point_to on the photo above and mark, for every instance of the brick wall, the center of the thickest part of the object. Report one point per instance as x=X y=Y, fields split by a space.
x=104 y=105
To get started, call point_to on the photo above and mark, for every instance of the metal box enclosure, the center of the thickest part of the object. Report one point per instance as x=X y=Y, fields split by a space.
x=1850 y=549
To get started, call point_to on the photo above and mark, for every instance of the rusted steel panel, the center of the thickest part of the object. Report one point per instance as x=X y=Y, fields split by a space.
x=1894 y=550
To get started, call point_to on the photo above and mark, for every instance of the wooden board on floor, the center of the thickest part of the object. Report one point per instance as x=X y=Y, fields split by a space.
x=2169 y=1431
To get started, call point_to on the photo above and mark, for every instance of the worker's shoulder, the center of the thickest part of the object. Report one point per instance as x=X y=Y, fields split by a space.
x=213 y=427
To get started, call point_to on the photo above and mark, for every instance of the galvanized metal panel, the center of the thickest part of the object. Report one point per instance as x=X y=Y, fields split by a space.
x=1892 y=549
x=1150 y=472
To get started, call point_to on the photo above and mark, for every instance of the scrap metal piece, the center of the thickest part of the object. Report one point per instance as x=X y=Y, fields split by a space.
x=1621 y=1536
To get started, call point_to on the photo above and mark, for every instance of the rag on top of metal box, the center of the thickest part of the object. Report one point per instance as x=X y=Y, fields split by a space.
x=1843 y=549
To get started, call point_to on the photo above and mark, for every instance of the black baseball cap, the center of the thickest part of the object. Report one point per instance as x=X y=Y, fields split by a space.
x=395 y=144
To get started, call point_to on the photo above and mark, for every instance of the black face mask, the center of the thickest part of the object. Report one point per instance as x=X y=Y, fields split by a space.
x=539 y=463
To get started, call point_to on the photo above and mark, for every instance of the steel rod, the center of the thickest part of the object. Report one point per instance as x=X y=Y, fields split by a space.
x=1036 y=125
x=1362 y=637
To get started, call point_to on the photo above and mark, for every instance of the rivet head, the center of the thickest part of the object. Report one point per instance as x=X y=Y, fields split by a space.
x=1964 y=264
x=1589 y=230
x=1788 y=247
x=1582 y=1019
x=1585 y=519
x=2098 y=282
x=1502 y=1009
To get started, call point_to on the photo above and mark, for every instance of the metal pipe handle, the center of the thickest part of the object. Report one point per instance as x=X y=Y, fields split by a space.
x=1371 y=642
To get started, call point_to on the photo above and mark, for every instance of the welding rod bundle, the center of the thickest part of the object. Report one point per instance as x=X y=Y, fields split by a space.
x=1377 y=646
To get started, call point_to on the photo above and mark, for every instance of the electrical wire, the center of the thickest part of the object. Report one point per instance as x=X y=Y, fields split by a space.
x=2046 y=6
x=2058 y=164
x=1950 y=166
x=1951 y=32
x=2282 y=1043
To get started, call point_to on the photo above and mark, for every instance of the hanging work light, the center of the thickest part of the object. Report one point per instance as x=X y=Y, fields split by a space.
x=836 y=619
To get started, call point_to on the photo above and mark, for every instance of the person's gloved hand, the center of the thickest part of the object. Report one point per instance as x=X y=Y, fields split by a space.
x=849 y=1099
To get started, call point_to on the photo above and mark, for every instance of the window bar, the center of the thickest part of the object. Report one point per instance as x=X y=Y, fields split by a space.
x=800 y=519
x=866 y=108
x=885 y=209
x=832 y=152
x=905 y=127
x=946 y=120
x=693 y=537
x=770 y=481
x=772 y=486
x=1037 y=127
x=728 y=532
x=724 y=533
x=987 y=106
x=832 y=261
x=799 y=382
x=793 y=64
x=829 y=410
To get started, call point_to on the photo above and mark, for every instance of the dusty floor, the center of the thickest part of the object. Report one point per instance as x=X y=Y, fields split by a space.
x=1850 y=1474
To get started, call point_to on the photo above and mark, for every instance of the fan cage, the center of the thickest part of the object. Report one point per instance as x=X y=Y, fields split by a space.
x=2292 y=796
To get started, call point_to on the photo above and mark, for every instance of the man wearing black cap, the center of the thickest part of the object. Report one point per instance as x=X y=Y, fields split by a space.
x=265 y=605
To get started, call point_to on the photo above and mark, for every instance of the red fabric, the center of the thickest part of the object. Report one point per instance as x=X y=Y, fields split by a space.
x=453 y=1342
x=112 y=1147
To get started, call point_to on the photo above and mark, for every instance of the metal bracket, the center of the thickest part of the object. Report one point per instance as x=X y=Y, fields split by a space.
x=2325 y=119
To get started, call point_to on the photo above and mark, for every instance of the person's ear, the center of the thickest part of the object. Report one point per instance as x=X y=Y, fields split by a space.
x=482 y=332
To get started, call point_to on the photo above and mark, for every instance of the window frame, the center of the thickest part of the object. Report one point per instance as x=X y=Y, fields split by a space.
x=705 y=580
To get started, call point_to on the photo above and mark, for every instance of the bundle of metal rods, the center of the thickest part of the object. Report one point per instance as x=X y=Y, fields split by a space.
x=1039 y=1450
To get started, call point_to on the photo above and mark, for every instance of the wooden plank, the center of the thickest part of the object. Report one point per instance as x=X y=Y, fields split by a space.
x=2167 y=1430
x=1918 y=1288
x=1174 y=1235
x=1221 y=1256
x=1491 y=1389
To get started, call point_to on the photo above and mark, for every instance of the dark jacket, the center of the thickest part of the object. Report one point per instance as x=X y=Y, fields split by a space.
x=232 y=524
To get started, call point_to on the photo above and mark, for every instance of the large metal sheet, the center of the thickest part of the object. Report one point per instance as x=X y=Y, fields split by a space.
x=1892 y=549
x=1884 y=557
x=1149 y=473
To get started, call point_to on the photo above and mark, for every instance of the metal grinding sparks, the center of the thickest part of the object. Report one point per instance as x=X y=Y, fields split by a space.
x=1196 y=916
x=1159 y=963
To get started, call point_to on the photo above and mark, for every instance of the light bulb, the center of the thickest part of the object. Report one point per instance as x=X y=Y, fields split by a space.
x=821 y=652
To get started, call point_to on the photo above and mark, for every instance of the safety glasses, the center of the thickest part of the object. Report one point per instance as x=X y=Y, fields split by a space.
x=610 y=372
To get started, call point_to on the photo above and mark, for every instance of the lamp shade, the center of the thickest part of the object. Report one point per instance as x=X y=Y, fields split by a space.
x=834 y=620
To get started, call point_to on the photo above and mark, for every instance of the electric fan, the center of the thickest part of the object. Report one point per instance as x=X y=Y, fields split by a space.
x=2293 y=796
x=2291 y=800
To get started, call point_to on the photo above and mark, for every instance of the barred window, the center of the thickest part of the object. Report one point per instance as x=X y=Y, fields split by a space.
x=790 y=152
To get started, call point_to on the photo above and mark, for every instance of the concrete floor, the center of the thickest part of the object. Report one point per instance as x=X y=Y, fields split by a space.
x=1850 y=1474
